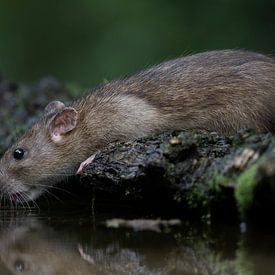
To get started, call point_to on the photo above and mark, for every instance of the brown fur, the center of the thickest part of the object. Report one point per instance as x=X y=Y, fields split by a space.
x=219 y=91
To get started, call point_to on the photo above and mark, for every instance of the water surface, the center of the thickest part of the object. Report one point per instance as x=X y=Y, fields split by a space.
x=77 y=242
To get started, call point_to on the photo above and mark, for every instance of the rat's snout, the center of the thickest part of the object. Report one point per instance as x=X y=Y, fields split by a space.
x=2 y=183
x=6 y=182
x=3 y=187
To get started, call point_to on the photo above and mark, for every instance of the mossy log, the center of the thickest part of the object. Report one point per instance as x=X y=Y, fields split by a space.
x=196 y=170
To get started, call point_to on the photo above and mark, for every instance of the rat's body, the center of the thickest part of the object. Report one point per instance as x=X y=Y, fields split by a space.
x=219 y=91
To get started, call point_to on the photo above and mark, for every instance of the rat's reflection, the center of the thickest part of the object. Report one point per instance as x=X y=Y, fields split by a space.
x=33 y=246
x=28 y=247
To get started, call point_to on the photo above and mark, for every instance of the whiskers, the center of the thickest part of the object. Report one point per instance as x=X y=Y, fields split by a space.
x=24 y=199
x=18 y=196
x=19 y=201
x=47 y=191
x=45 y=188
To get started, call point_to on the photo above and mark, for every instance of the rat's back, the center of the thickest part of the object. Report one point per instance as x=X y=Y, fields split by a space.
x=217 y=90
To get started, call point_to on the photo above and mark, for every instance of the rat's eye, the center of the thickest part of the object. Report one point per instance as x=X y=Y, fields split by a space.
x=18 y=153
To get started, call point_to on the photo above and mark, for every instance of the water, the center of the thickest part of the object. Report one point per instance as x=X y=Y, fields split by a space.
x=77 y=242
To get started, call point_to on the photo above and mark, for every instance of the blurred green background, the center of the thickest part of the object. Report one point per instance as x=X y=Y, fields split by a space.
x=87 y=41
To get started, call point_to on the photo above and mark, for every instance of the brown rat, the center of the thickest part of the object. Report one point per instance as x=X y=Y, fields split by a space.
x=219 y=91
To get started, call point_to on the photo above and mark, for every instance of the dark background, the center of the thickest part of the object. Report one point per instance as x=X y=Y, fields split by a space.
x=84 y=42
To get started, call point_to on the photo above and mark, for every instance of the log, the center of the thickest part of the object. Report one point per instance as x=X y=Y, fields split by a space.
x=196 y=170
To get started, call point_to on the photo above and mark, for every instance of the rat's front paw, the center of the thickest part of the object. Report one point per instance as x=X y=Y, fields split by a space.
x=84 y=163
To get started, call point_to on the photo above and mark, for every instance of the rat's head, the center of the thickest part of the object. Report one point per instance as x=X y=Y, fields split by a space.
x=42 y=156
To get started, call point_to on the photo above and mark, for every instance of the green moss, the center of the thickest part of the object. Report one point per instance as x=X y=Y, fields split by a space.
x=198 y=197
x=210 y=189
x=216 y=180
x=170 y=171
x=245 y=189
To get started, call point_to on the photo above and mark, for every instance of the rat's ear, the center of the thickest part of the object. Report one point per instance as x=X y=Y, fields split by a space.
x=62 y=123
x=54 y=107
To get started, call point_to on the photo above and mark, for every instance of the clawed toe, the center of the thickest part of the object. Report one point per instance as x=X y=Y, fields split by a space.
x=85 y=163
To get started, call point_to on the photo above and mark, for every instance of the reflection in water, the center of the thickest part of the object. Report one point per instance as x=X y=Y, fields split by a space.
x=31 y=248
x=73 y=245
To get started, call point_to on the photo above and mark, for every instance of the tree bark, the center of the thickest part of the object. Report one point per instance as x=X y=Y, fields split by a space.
x=195 y=170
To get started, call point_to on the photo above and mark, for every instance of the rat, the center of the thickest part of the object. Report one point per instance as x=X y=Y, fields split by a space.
x=221 y=91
